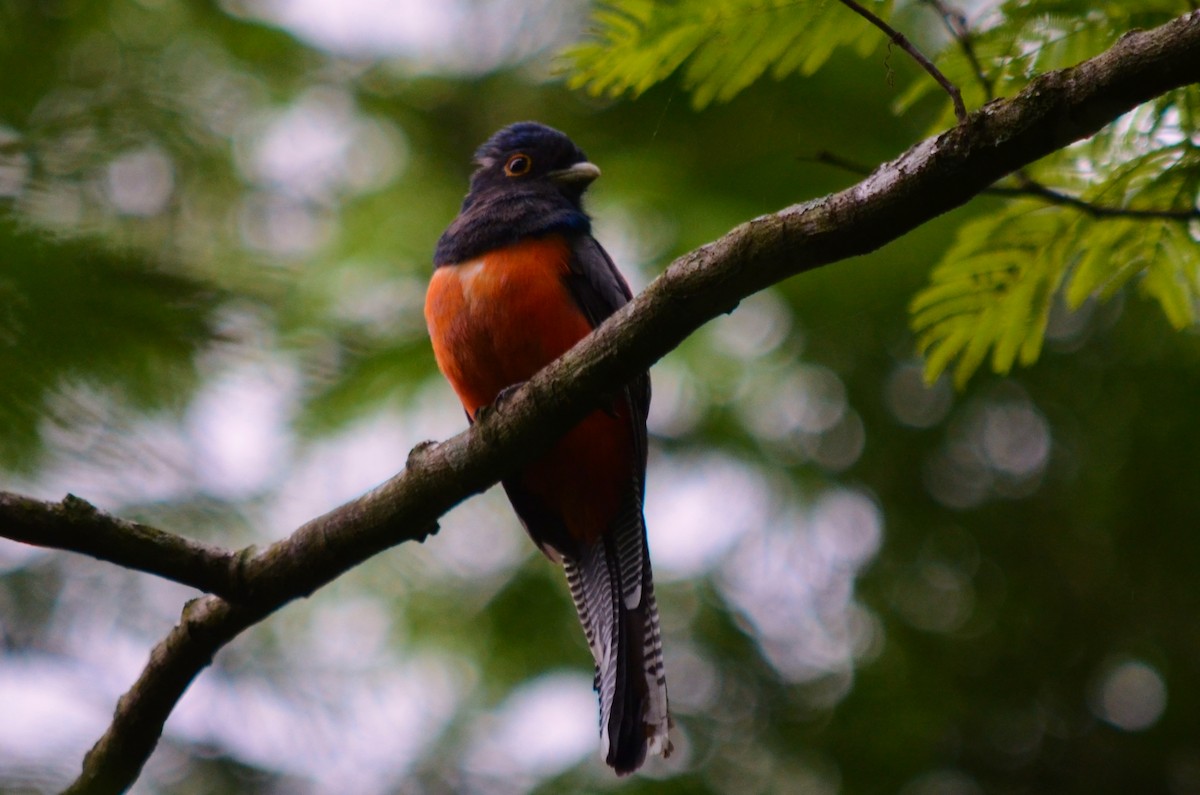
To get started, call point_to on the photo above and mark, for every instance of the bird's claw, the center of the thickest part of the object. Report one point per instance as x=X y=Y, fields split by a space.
x=501 y=398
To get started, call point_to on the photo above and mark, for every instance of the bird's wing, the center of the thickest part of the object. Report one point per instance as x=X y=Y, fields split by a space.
x=600 y=289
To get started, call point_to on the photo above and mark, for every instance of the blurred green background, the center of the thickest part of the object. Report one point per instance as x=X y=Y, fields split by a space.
x=216 y=224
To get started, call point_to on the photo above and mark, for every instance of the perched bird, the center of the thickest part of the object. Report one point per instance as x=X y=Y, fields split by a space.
x=518 y=279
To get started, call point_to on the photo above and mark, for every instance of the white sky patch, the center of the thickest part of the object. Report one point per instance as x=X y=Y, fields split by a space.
x=794 y=583
x=806 y=399
x=343 y=466
x=320 y=146
x=1015 y=438
x=54 y=711
x=347 y=731
x=282 y=226
x=391 y=305
x=847 y=528
x=238 y=426
x=540 y=730
x=349 y=634
x=677 y=405
x=304 y=148
x=637 y=238
x=697 y=509
x=110 y=456
x=914 y=403
x=15 y=556
x=479 y=538
x=369 y=27
x=53 y=708
x=454 y=36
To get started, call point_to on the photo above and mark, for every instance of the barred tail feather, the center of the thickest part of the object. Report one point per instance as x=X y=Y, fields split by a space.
x=658 y=715
x=620 y=620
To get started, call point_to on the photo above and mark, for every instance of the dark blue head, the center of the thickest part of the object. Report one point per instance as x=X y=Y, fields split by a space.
x=529 y=181
x=528 y=156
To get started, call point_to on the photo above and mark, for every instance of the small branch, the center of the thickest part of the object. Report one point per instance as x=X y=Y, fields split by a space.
x=960 y=110
x=1030 y=188
x=116 y=760
x=78 y=526
x=294 y=567
x=956 y=24
x=828 y=158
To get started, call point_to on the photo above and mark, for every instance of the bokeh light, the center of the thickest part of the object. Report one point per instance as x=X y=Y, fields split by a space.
x=539 y=730
x=1130 y=695
x=794 y=582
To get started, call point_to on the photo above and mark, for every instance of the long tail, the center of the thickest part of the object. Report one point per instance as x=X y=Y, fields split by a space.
x=613 y=589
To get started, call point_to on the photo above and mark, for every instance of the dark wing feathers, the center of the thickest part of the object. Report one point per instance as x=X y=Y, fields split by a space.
x=594 y=281
x=599 y=289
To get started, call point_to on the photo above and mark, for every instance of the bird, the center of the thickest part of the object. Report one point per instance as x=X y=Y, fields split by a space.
x=519 y=279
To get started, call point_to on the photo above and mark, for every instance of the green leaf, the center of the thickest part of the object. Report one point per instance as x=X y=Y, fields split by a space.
x=1173 y=276
x=991 y=292
x=723 y=46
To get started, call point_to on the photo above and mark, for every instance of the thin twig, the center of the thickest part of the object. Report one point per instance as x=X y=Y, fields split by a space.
x=956 y=24
x=1031 y=187
x=960 y=110
x=1028 y=187
x=828 y=158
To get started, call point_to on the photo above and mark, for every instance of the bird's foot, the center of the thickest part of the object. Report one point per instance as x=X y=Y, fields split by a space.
x=501 y=398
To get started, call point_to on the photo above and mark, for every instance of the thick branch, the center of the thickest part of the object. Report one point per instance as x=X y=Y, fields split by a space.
x=933 y=177
x=79 y=526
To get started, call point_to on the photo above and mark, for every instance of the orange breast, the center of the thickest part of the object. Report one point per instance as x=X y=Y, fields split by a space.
x=496 y=321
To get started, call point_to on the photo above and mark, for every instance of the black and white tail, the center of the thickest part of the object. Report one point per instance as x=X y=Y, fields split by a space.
x=613 y=589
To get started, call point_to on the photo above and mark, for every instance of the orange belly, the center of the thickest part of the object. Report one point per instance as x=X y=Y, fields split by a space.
x=496 y=321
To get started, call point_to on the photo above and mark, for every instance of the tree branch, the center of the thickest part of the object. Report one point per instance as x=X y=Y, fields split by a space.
x=931 y=178
x=78 y=526
x=1029 y=188
x=900 y=40
x=116 y=759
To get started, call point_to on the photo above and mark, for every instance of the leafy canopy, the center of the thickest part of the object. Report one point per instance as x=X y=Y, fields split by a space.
x=1082 y=224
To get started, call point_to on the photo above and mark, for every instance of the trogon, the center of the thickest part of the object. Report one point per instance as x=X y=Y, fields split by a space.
x=518 y=279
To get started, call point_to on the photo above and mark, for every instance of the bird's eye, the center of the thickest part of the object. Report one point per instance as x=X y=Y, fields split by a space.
x=517 y=165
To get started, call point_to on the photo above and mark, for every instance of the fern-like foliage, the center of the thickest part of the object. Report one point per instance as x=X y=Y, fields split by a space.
x=1019 y=39
x=992 y=292
x=993 y=289
x=722 y=45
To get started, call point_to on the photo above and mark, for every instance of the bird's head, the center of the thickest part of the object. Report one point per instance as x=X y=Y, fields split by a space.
x=534 y=158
